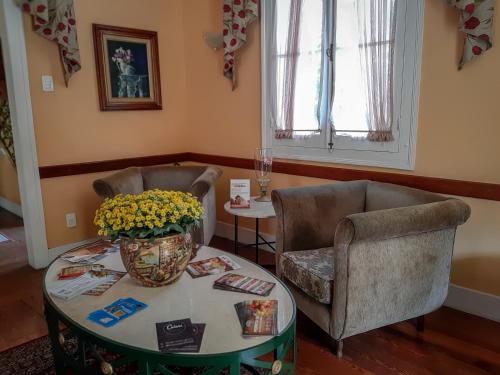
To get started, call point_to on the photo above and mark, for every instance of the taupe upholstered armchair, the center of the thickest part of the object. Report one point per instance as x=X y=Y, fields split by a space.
x=198 y=180
x=361 y=255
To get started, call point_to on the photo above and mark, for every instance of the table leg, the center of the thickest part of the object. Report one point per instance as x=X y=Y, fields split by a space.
x=257 y=240
x=236 y=234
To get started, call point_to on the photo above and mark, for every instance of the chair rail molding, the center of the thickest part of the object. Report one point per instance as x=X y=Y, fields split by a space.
x=480 y=190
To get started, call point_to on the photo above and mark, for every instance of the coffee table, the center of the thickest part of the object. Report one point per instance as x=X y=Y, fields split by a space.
x=257 y=210
x=134 y=341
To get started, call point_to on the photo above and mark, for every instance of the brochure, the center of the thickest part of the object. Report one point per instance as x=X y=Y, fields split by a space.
x=258 y=318
x=116 y=312
x=75 y=287
x=110 y=278
x=239 y=193
x=179 y=336
x=73 y=272
x=212 y=266
x=244 y=284
x=90 y=253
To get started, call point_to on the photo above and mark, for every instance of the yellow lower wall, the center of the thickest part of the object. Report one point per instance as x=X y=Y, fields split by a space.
x=9 y=188
x=69 y=194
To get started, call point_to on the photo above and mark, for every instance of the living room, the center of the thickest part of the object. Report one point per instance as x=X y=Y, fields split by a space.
x=71 y=130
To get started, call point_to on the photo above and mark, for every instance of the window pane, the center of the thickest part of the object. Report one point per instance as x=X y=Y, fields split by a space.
x=309 y=66
x=349 y=107
x=308 y=73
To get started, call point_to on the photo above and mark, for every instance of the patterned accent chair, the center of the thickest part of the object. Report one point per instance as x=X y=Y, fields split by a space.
x=198 y=180
x=361 y=255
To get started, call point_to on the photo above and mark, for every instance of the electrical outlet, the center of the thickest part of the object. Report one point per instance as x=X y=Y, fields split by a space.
x=71 y=220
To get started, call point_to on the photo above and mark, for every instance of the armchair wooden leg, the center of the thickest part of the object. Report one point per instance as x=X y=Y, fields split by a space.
x=420 y=323
x=337 y=346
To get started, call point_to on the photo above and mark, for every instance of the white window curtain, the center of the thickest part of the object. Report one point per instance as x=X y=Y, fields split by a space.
x=329 y=73
x=377 y=26
x=296 y=67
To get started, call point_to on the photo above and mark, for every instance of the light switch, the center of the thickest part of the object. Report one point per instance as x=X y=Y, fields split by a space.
x=47 y=83
x=71 y=220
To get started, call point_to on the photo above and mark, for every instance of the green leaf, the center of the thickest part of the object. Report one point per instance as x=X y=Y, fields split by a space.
x=175 y=227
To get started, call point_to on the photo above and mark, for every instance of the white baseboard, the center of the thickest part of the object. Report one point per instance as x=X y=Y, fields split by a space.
x=245 y=235
x=459 y=298
x=10 y=206
x=474 y=302
x=56 y=251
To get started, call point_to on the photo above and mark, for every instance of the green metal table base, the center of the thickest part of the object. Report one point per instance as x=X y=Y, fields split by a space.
x=149 y=362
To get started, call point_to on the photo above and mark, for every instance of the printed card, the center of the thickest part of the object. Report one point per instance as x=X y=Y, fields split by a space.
x=239 y=193
x=116 y=312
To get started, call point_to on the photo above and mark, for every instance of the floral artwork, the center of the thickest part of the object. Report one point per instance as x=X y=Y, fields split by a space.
x=127 y=68
x=129 y=76
x=476 y=21
x=55 y=20
x=238 y=14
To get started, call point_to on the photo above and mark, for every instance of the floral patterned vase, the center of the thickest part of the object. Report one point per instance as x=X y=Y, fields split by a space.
x=158 y=262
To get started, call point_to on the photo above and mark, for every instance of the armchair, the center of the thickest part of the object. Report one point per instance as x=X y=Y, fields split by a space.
x=361 y=255
x=198 y=180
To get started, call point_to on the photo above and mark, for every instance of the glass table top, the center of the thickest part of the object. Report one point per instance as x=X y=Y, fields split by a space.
x=186 y=298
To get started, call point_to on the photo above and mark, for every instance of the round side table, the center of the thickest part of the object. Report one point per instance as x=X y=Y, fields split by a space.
x=257 y=210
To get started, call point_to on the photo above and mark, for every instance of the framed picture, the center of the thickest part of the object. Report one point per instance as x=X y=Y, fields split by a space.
x=127 y=65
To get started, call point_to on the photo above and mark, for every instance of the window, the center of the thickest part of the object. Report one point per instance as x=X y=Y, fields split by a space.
x=340 y=80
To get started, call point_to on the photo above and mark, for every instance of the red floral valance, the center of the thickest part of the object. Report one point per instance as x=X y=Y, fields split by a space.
x=476 y=21
x=55 y=20
x=238 y=14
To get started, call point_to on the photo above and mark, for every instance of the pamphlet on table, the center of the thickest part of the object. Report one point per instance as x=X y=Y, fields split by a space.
x=258 y=317
x=72 y=272
x=93 y=282
x=244 y=284
x=90 y=253
x=211 y=266
x=116 y=312
x=239 y=192
x=180 y=336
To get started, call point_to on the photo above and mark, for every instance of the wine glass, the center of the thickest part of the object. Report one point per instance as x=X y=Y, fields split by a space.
x=263 y=162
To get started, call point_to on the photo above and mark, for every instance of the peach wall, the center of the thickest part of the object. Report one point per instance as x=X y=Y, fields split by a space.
x=69 y=126
x=457 y=135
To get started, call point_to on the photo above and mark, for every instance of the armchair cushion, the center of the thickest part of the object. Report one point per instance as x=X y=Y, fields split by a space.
x=311 y=271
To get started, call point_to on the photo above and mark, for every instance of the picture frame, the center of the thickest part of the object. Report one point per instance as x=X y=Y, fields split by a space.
x=128 y=68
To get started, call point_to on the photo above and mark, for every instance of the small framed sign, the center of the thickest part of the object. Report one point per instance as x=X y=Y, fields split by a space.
x=240 y=193
x=128 y=69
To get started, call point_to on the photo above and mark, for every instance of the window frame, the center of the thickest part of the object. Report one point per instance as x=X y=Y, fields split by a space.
x=399 y=154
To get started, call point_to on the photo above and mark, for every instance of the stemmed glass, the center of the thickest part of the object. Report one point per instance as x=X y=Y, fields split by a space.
x=263 y=161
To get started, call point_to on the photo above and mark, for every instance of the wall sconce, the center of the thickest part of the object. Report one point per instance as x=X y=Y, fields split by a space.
x=214 y=40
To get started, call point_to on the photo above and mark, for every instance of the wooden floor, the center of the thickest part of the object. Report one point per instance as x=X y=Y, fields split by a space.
x=452 y=343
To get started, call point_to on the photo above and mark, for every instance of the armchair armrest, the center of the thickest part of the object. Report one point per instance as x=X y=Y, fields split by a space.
x=127 y=181
x=205 y=181
x=392 y=265
x=403 y=221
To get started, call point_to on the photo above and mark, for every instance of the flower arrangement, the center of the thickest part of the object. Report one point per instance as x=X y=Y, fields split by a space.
x=152 y=214
x=122 y=55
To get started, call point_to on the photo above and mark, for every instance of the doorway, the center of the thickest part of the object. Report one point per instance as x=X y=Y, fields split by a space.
x=19 y=102
x=13 y=252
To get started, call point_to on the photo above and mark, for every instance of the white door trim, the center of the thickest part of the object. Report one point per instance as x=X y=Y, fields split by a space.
x=18 y=88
